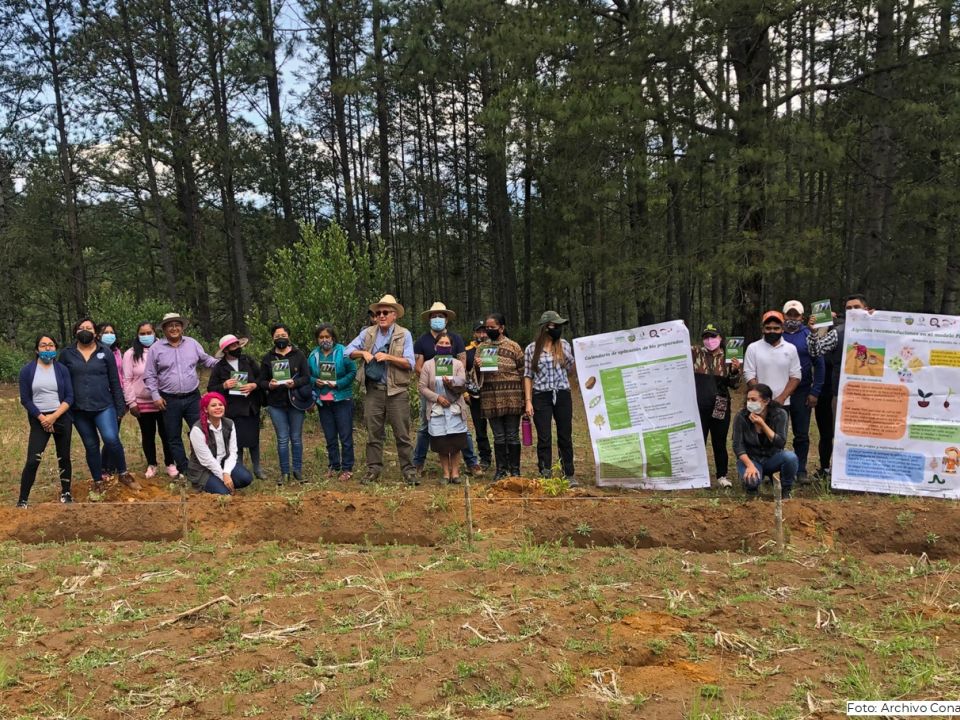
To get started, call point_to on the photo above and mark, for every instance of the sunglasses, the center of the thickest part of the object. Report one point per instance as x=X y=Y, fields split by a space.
x=382 y=313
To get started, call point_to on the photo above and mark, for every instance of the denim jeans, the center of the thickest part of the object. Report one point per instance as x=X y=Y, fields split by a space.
x=800 y=424
x=180 y=410
x=92 y=426
x=336 y=419
x=423 y=442
x=784 y=462
x=288 y=424
x=241 y=478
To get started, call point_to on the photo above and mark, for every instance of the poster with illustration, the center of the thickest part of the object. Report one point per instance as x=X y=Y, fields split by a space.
x=638 y=392
x=898 y=412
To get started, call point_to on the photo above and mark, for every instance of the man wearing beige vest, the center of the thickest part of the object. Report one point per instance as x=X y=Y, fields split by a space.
x=385 y=352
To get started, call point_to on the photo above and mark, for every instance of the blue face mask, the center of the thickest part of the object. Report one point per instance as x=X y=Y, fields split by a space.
x=47 y=356
x=147 y=340
x=108 y=339
x=438 y=324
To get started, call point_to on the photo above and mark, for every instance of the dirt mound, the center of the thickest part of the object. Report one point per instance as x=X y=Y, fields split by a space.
x=155 y=489
x=516 y=486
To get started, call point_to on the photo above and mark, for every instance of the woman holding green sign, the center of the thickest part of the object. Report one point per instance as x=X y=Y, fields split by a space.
x=235 y=377
x=331 y=375
x=442 y=381
x=283 y=372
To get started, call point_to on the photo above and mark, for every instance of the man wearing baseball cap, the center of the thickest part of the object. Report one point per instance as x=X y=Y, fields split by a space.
x=804 y=398
x=771 y=361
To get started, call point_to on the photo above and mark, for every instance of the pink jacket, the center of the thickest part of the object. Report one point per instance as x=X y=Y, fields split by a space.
x=134 y=391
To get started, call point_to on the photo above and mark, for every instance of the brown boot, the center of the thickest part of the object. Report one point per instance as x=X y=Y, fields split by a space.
x=128 y=480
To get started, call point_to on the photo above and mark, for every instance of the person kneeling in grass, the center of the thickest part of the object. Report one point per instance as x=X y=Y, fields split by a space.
x=213 y=466
x=759 y=437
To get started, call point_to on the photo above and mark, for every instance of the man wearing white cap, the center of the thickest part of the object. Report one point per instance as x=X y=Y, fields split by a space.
x=804 y=398
x=171 y=377
x=439 y=318
x=385 y=352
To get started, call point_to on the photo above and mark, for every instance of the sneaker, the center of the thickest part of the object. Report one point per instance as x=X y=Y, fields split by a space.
x=172 y=471
x=345 y=476
x=572 y=482
x=477 y=470
x=98 y=487
x=128 y=480
x=21 y=503
x=258 y=474
x=65 y=497
x=724 y=482
x=151 y=471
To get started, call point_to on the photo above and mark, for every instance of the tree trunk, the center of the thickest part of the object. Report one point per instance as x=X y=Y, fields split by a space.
x=383 y=123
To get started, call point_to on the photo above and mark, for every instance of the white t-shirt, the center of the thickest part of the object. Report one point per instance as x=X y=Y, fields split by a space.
x=772 y=365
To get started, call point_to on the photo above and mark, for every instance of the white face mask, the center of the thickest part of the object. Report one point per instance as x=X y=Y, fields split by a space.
x=754 y=407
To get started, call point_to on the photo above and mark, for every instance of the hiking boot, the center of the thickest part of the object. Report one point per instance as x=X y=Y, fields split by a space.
x=411 y=478
x=477 y=470
x=298 y=476
x=371 y=476
x=803 y=478
x=571 y=481
x=66 y=498
x=128 y=480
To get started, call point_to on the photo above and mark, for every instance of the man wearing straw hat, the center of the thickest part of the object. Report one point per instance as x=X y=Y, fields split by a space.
x=171 y=377
x=385 y=352
x=439 y=318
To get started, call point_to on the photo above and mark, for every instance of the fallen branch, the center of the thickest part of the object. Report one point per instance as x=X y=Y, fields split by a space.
x=330 y=670
x=277 y=634
x=199 y=608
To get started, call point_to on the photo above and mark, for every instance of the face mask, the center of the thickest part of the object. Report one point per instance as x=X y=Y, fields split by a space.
x=444 y=350
x=792 y=326
x=236 y=352
x=147 y=340
x=108 y=339
x=555 y=332
x=754 y=407
x=85 y=337
x=493 y=333
x=772 y=337
x=438 y=324
x=281 y=343
x=711 y=343
x=326 y=345
x=47 y=356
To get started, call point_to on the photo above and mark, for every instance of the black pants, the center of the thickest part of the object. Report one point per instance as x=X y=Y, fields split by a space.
x=37 y=443
x=549 y=407
x=717 y=429
x=480 y=425
x=824 y=416
x=152 y=424
x=180 y=409
x=506 y=429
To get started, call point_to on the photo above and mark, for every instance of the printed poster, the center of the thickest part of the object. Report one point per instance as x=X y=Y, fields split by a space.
x=898 y=426
x=637 y=388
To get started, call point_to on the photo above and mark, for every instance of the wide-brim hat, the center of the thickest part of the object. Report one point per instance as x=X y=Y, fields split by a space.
x=173 y=317
x=389 y=301
x=438 y=307
x=551 y=316
x=228 y=340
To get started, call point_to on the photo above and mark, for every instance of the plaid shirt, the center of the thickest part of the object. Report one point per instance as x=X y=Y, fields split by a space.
x=549 y=375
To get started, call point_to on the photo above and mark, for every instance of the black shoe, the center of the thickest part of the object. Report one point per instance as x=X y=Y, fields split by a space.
x=298 y=476
x=21 y=503
x=282 y=480
x=453 y=481
x=803 y=478
x=258 y=474
x=513 y=457
x=66 y=498
x=371 y=476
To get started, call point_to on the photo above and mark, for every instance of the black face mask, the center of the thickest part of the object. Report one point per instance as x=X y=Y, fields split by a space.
x=772 y=337
x=85 y=337
x=281 y=343
x=493 y=333
x=235 y=353
x=555 y=332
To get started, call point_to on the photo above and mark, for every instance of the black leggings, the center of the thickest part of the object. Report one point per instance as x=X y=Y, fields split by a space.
x=550 y=407
x=37 y=443
x=151 y=424
x=717 y=430
x=825 y=420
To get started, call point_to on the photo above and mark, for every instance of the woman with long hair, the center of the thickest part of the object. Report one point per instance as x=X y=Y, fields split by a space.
x=214 y=466
x=498 y=373
x=759 y=440
x=140 y=402
x=548 y=362
x=714 y=378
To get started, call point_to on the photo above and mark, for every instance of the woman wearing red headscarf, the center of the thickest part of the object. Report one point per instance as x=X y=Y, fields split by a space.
x=214 y=466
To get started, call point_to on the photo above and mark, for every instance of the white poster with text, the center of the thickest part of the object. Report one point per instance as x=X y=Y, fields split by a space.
x=638 y=392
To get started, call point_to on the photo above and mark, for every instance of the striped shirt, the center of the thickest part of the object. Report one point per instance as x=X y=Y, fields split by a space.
x=549 y=375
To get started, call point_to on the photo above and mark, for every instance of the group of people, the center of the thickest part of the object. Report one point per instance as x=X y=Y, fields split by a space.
x=90 y=385
x=793 y=371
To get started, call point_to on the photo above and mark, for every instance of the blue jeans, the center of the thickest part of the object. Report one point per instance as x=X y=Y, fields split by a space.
x=288 y=424
x=800 y=424
x=423 y=442
x=784 y=462
x=92 y=426
x=180 y=410
x=336 y=419
x=241 y=478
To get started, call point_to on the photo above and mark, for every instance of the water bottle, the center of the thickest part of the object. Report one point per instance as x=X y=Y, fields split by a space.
x=526 y=431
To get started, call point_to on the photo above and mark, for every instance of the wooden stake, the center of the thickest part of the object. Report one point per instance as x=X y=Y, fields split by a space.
x=468 y=509
x=778 y=510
